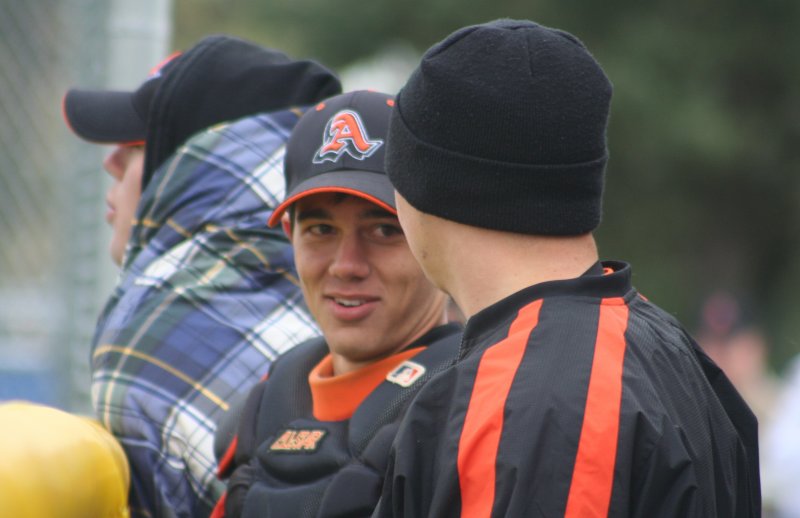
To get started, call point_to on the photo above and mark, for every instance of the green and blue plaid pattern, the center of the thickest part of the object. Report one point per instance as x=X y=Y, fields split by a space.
x=206 y=299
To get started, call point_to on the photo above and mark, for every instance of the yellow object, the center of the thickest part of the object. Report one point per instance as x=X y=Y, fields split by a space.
x=59 y=465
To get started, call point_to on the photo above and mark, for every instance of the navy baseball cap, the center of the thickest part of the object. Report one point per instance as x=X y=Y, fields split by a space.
x=115 y=117
x=221 y=78
x=339 y=146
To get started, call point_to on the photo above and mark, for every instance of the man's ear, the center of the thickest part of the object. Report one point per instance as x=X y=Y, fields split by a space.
x=287 y=225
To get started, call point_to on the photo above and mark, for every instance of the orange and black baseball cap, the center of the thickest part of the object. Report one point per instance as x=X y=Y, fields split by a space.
x=339 y=146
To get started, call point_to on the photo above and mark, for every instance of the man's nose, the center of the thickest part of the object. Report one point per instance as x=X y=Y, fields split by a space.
x=112 y=163
x=350 y=261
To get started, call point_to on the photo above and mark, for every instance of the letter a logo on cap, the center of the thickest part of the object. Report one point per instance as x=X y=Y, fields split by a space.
x=345 y=133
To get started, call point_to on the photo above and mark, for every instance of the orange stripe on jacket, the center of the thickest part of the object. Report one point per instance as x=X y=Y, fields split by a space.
x=483 y=423
x=593 y=475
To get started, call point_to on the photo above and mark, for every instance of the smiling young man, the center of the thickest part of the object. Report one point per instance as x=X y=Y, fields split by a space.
x=339 y=239
x=314 y=437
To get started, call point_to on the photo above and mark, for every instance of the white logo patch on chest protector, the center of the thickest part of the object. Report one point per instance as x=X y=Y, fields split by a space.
x=406 y=374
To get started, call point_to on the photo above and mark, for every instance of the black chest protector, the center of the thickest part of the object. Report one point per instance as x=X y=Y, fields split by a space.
x=289 y=464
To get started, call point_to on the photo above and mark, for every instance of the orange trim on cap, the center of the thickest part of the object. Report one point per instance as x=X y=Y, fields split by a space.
x=593 y=474
x=483 y=423
x=280 y=209
x=336 y=398
x=161 y=64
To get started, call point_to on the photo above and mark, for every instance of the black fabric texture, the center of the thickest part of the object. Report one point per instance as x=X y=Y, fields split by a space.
x=388 y=400
x=686 y=444
x=227 y=427
x=503 y=126
x=294 y=398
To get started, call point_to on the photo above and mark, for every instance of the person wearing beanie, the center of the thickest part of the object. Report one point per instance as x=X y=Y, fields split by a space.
x=207 y=296
x=573 y=394
x=314 y=437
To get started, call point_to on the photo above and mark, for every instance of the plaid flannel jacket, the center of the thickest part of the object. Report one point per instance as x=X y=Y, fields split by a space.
x=206 y=299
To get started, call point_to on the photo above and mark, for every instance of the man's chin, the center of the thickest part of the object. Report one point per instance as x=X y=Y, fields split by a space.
x=116 y=256
x=359 y=347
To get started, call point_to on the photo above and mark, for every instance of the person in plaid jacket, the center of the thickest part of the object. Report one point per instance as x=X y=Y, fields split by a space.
x=207 y=296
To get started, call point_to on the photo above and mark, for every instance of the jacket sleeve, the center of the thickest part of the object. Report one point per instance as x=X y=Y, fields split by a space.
x=666 y=484
x=420 y=480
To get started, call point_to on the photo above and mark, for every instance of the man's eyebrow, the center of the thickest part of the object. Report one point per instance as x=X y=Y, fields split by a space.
x=319 y=213
x=312 y=214
x=377 y=212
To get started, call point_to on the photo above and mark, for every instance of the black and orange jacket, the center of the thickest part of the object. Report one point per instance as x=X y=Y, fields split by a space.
x=576 y=398
x=310 y=444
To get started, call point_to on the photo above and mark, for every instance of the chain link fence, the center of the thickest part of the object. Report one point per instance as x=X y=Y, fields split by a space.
x=55 y=272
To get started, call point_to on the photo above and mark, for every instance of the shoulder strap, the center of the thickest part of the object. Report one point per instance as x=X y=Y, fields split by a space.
x=285 y=394
x=387 y=403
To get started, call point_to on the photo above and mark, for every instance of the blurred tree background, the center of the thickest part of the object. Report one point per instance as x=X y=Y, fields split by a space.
x=703 y=185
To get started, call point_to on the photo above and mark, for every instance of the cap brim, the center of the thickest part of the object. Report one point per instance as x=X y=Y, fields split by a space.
x=374 y=187
x=103 y=116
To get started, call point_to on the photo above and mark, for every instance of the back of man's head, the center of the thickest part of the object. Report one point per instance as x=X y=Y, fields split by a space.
x=221 y=78
x=503 y=126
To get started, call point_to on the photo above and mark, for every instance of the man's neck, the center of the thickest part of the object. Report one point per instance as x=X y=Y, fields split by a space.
x=504 y=264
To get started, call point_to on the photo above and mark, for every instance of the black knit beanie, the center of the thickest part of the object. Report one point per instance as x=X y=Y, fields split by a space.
x=503 y=126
